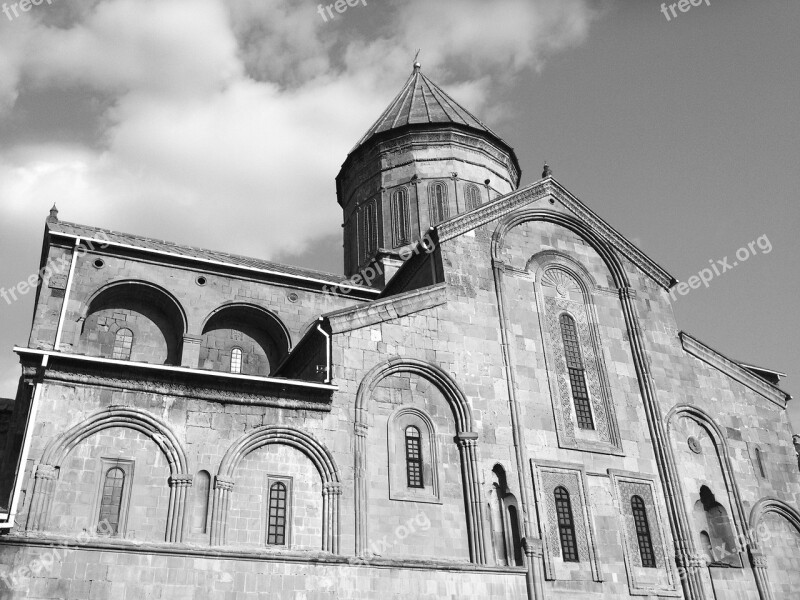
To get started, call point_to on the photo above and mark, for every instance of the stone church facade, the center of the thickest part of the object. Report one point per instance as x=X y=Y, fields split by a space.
x=497 y=403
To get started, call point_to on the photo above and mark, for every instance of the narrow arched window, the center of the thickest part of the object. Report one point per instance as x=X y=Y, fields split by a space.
x=760 y=463
x=111 y=501
x=400 y=225
x=437 y=202
x=513 y=524
x=276 y=527
x=236 y=360
x=413 y=458
x=472 y=196
x=566 y=525
x=643 y=532
x=577 y=374
x=123 y=344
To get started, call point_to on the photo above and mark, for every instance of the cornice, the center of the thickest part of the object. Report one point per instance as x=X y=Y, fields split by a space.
x=733 y=370
x=176 y=381
x=388 y=309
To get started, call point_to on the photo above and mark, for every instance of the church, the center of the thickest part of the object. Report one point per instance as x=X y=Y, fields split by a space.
x=495 y=401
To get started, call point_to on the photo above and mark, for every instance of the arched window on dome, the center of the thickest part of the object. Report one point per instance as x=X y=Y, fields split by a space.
x=437 y=202
x=369 y=230
x=472 y=197
x=400 y=225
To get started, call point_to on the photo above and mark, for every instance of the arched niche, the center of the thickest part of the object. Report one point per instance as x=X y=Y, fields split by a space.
x=259 y=334
x=155 y=318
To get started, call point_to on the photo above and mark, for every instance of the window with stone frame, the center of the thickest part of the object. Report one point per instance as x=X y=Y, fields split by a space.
x=583 y=406
x=570 y=546
x=369 y=230
x=414 y=469
x=647 y=564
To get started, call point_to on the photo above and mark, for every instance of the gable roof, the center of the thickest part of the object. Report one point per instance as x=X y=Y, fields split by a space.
x=548 y=186
x=214 y=257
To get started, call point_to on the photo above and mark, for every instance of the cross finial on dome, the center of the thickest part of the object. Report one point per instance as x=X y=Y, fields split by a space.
x=417 y=66
x=53 y=218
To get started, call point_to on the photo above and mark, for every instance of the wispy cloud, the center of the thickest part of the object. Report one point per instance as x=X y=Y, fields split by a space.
x=235 y=117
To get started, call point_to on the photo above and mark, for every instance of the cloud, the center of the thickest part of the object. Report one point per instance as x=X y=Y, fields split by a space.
x=233 y=119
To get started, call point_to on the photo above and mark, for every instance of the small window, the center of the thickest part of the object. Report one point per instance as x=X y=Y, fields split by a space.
x=472 y=197
x=566 y=525
x=437 y=201
x=123 y=344
x=760 y=464
x=577 y=374
x=413 y=458
x=111 y=501
x=276 y=527
x=643 y=532
x=236 y=360
x=400 y=217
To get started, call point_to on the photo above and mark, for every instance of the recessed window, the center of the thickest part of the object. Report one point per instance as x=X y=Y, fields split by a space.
x=413 y=458
x=472 y=196
x=577 y=374
x=111 y=502
x=201 y=280
x=278 y=506
x=123 y=344
x=236 y=360
x=566 y=525
x=437 y=202
x=400 y=227
x=643 y=532
x=369 y=230
x=99 y=263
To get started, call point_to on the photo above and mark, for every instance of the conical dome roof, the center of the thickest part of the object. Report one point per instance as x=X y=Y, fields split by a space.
x=422 y=102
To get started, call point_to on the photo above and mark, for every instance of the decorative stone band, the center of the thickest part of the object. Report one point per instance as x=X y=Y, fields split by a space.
x=220 y=483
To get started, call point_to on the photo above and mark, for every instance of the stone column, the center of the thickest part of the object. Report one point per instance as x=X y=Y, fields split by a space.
x=360 y=499
x=178 y=485
x=759 y=563
x=534 y=554
x=331 y=492
x=467 y=442
x=219 y=514
x=44 y=481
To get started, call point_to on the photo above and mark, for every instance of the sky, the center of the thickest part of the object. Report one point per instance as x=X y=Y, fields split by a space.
x=223 y=125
